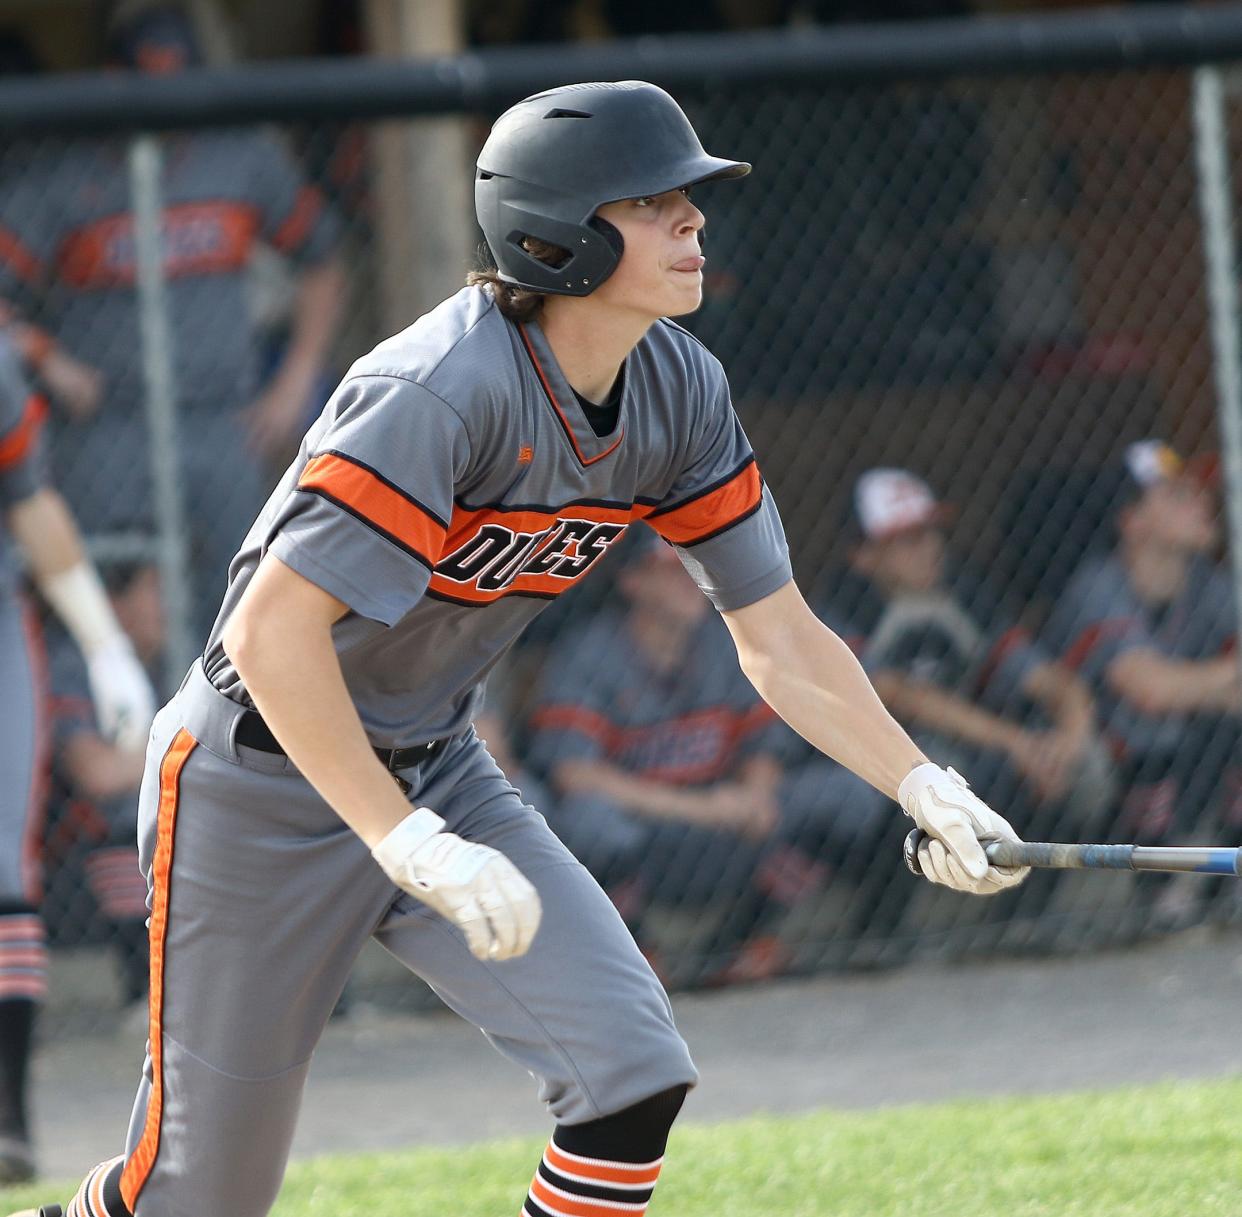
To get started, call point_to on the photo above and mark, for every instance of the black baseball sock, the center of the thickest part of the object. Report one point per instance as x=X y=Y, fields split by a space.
x=17 y=1018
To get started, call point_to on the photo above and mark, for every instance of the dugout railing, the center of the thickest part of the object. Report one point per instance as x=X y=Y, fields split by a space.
x=995 y=253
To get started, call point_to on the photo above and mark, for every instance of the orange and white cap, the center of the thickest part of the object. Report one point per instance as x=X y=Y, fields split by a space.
x=892 y=501
x=1152 y=460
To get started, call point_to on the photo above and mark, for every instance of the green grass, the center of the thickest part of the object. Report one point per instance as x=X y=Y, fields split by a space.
x=1173 y=1150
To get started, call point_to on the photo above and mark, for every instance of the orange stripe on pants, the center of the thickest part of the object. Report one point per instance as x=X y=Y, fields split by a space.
x=138 y=1168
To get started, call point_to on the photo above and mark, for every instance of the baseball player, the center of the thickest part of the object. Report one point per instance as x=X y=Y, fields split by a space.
x=1151 y=626
x=39 y=530
x=67 y=246
x=316 y=780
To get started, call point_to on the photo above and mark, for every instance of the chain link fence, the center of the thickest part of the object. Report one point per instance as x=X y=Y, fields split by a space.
x=968 y=328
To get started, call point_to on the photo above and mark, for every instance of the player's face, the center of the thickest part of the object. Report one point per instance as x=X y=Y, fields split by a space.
x=1178 y=513
x=910 y=561
x=661 y=271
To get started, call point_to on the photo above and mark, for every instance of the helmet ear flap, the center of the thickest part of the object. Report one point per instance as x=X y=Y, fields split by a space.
x=610 y=233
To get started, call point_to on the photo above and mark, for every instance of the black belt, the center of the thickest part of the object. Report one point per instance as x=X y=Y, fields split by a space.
x=253 y=732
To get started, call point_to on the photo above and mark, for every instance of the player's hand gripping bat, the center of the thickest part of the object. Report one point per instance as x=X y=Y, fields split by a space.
x=1205 y=860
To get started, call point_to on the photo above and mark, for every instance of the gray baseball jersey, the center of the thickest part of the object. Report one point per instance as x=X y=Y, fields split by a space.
x=452 y=487
x=66 y=232
x=600 y=701
x=1099 y=617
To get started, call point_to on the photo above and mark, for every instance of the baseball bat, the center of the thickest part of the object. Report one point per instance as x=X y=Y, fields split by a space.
x=1204 y=860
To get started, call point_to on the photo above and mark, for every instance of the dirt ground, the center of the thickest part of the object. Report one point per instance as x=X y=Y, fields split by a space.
x=927 y=1032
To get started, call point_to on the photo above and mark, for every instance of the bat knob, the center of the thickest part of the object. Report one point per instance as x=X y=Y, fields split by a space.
x=910 y=850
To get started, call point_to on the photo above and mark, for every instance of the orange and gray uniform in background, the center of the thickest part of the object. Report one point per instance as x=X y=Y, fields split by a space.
x=1178 y=767
x=68 y=258
x=23 y=751
x=693 y=727
x=450 y=490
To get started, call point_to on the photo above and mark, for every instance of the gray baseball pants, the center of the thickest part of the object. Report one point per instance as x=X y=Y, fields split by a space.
x=261 y=899
x=22 y=754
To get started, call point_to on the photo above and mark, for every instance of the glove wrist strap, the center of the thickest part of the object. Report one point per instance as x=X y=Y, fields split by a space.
x=394 y=849
x=920 y=776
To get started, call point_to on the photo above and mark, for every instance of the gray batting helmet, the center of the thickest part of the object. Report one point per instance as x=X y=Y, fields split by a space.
x=553 y=159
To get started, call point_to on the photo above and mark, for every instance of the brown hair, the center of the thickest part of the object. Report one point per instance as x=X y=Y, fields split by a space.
x=516 y=303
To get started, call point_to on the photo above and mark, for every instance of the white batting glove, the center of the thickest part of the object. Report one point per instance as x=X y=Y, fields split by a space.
x=124 y=703
x=958 y=824
x=476 y=888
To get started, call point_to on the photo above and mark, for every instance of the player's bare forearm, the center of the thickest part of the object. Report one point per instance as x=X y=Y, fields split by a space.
x=46 y=534
x=279 y=639
x=642 y=796
x=317 y=310
x=1064 y=697
x=813 y=681
x=100 y=770
x=1160 y=684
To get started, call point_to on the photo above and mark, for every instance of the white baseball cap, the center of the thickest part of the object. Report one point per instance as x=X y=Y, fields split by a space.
x=1151 y=460
x=891 y=501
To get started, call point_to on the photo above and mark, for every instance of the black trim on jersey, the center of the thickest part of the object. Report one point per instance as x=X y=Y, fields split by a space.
x=551 y=510
x=405 y=494
x=475 y=604
x=750 y=511
x=709 y=489
x=371 y=524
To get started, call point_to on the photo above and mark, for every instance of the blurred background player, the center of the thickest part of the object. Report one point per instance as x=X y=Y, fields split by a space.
x=67 y=254
x=1151 y=626
x=39 y=530
x=94 y=792
x=666 y=765
x=962 y=676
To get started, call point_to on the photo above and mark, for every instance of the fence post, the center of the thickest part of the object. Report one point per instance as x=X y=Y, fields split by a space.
x=1220 y=252
x=145 y=166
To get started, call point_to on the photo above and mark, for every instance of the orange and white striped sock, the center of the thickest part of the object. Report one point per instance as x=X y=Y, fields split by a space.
x=570 y=1185
x=606 y=1167
x=100 y=1193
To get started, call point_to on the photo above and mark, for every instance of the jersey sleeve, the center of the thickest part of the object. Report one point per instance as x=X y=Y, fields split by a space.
x=367 y=516
x=297 y=219
x=22 y=413
x=721 y=517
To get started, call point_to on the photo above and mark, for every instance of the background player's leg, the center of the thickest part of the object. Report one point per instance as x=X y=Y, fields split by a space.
x=581 y=1011
x=23 y=960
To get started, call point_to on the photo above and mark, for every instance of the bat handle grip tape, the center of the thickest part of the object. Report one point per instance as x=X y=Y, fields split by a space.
x=1001 y=853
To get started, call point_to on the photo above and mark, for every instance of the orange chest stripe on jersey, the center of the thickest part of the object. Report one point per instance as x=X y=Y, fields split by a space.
x=15 y=255
x=712 y=510
x=492 y=552
x=371 y=498
x=199 y=239
x=17 y=443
